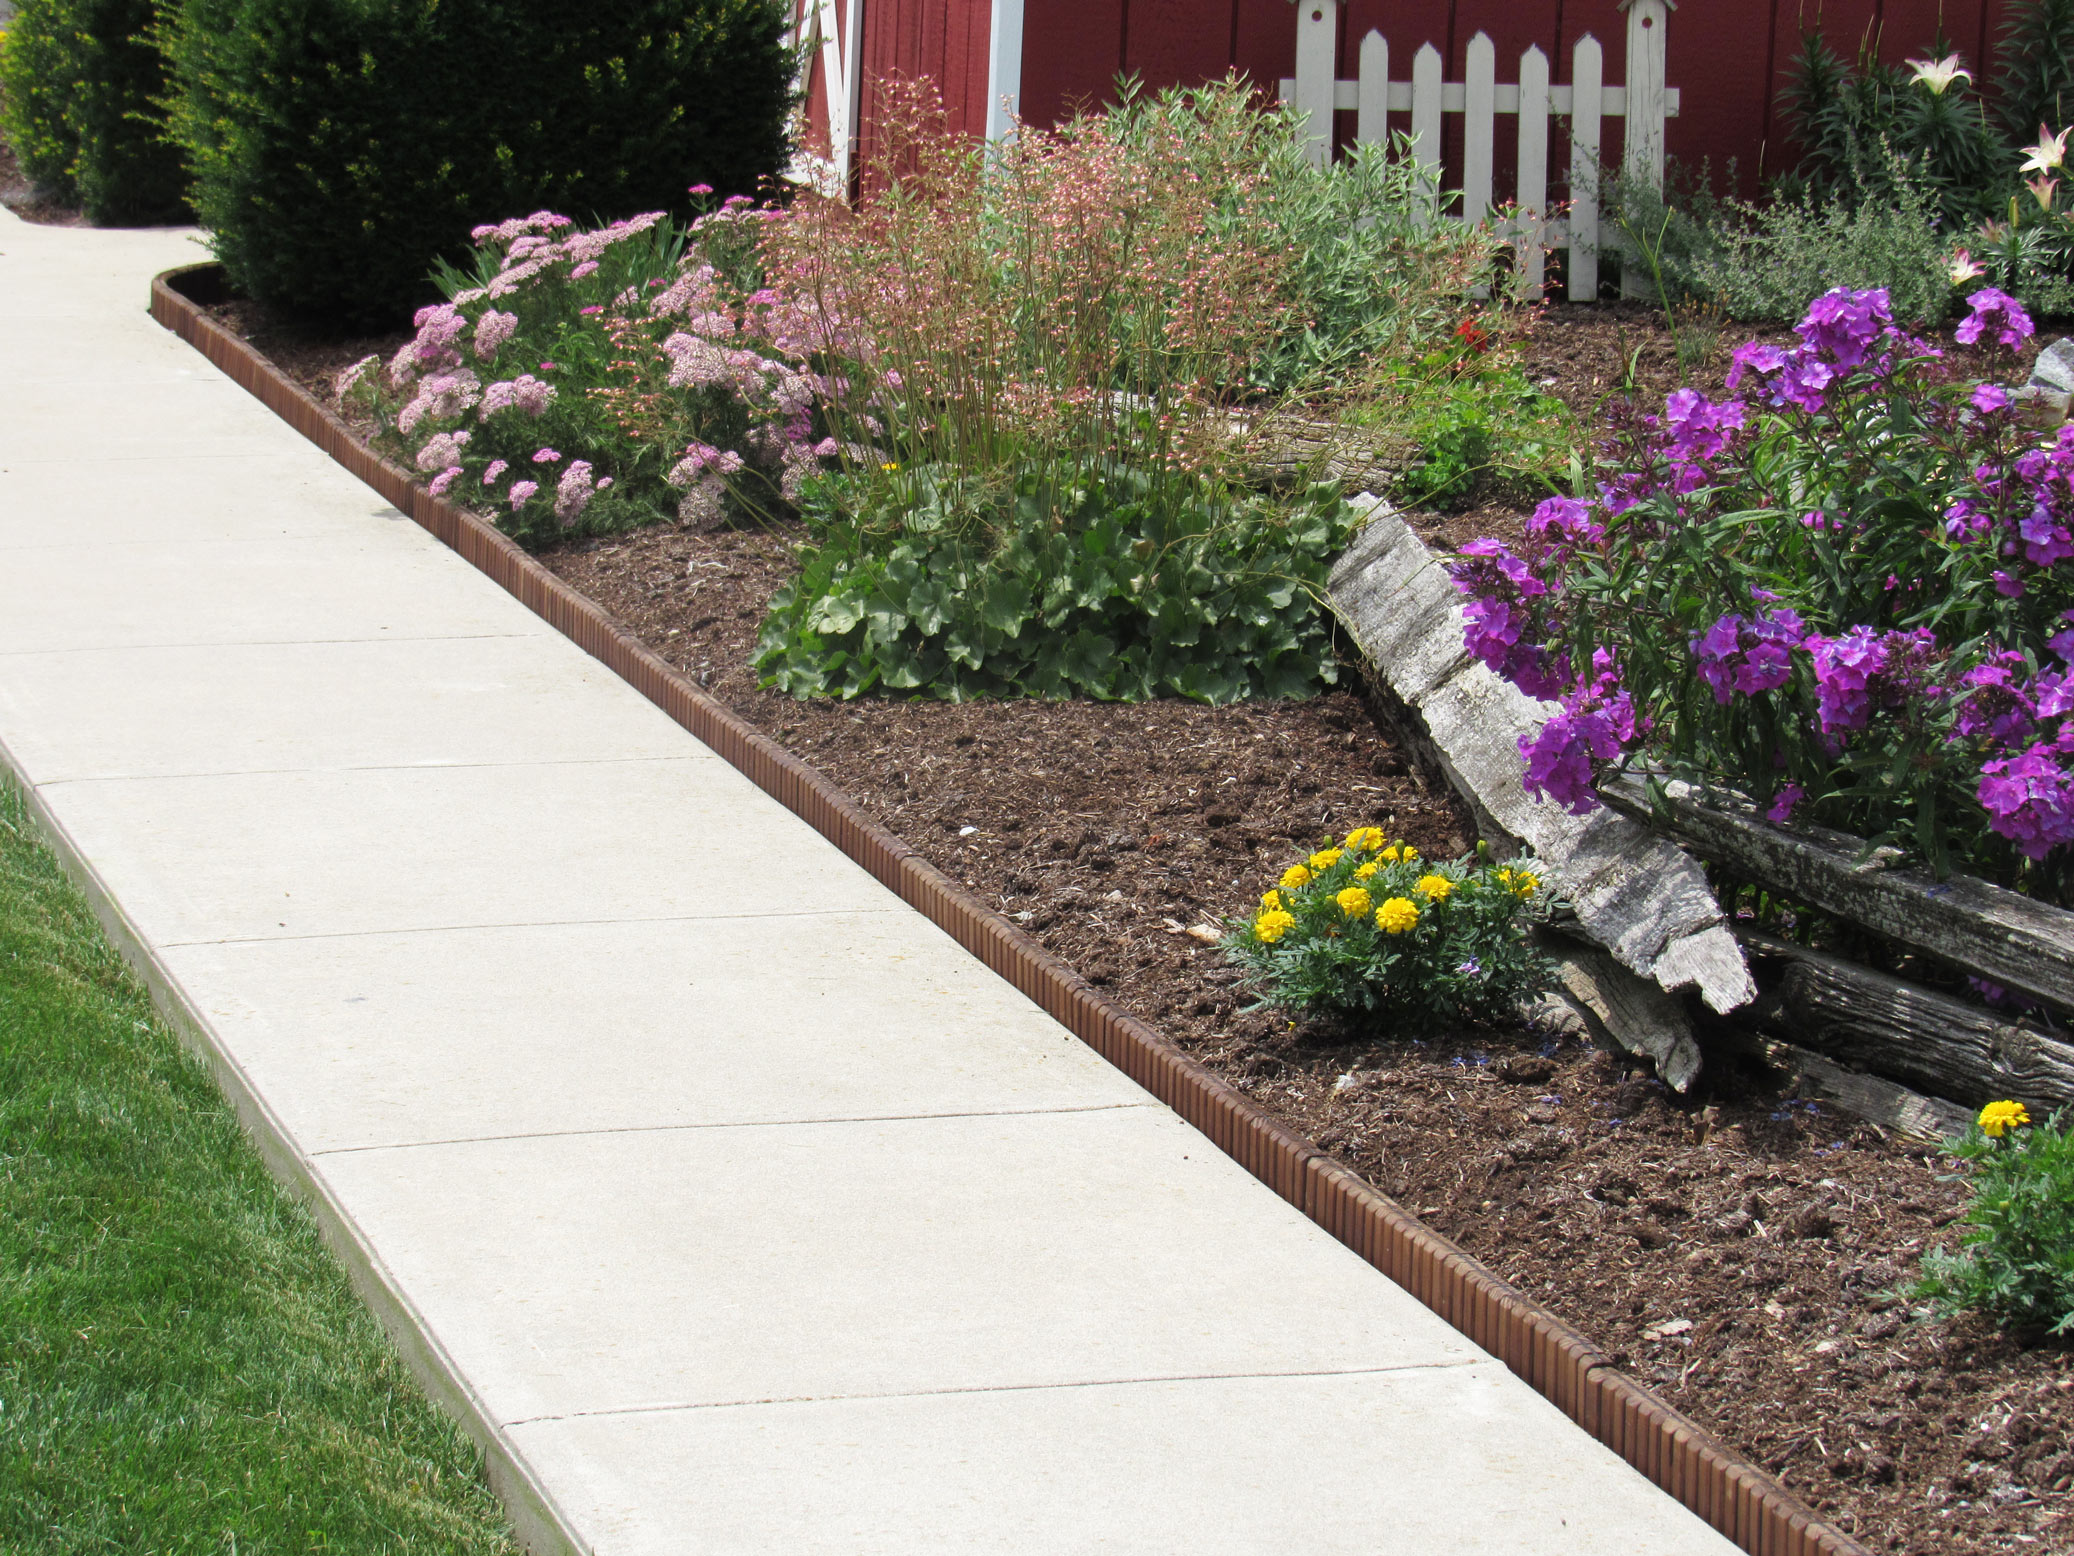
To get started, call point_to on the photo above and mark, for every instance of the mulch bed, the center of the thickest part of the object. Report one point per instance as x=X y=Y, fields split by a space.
x=1737 y=1248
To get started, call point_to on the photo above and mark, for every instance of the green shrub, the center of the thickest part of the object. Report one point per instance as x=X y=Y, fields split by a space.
x=79 y=85
x=341 y=147
x=1088 y=586
x=2016 y=1257
x=1372 y=930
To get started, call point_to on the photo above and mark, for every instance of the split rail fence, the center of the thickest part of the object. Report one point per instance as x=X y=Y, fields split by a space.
x=1642 y=103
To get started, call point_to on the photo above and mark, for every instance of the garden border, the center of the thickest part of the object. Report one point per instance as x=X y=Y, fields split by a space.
x=1734 y=1496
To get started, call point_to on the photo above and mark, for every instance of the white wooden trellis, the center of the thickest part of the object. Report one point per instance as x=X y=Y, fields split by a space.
x=836 y=47
x=1643 y=104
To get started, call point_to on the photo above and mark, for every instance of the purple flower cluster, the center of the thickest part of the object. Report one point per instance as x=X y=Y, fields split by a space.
x=1748 y=654
x=1596 y=722
x=1862 y=670
x=1500 y=620
x=1997 y=314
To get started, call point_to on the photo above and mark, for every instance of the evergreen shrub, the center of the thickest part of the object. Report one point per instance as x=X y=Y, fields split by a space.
x=79 y=87
x=342 y=148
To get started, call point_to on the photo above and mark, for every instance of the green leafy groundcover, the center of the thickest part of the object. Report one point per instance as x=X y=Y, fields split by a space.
x=1092 y=591
x=183 y=1367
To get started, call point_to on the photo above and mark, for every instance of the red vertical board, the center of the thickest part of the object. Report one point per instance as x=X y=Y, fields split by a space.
x=1072 y=51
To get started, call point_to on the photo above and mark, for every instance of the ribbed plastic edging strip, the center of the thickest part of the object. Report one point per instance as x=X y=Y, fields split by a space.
x=1742 y=1502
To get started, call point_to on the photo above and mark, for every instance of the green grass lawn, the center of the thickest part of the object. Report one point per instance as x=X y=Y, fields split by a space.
x=183 y=1366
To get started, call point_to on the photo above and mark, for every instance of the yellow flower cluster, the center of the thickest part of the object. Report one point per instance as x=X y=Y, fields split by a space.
x=1998 y=1118
x=1323 y=860
x=1397 y=851
x=1271 y=902
x=1365 y=839
x=1354 y=901
x=1524 y=883
x=1293 y=877
x=1396 y=916
x=1434 y=888
x=1366 y=871
x=1273 y=924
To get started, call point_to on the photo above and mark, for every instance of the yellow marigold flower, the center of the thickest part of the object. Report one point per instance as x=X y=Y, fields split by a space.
x=1324 y=859
x=1365 y=871
x=1296 y=875
x=1390 y=853
x=1270 y=927
x=1354 y=901
x=1410 y=853
x=1271 y=902
x=1366 y=839
x=1526 y=883
x=1434 y=888
x=1396 y=916
x=1998 y=1118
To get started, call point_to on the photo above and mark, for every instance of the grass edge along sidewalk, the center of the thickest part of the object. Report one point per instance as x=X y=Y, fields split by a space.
x=184 y=1366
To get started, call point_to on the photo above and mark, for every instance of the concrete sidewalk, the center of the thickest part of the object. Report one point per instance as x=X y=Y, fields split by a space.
x=744 y=1210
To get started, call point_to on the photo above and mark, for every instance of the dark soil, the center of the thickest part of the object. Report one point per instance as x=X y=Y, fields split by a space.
x=1738 y=1250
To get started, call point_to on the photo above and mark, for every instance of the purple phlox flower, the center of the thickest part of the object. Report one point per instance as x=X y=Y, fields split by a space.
x=2029 y=800
x=1802 y=381
x=1699 y=428
x=495 y=473
x=1862 y=670
x=1748 y=655
x=2062 y=642
x=1785 y=803
x=2045 y=538
x=521 y=493
x=1845 y=324
x=492 y=330
x=1814 y=518
x=1497 y=625
x=1965 y=518
x=1756 y=357
x=1997 y=313
x=1997 y=704
x=1989 y=397
x=574 y=492
x=1596 y=721
x=2008 y=585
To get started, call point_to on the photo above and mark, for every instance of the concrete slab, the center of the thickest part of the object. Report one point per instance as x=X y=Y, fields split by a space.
x=1402 y=1463
x=240 y=708
x=364 y=1040
x=186 y=501
x=274 y=855
x=390 y=581
x=667 y=1268
x=76 y=419
x=127 y=347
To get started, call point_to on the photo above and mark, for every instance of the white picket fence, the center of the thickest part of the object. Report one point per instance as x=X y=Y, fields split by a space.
x=1643 y=103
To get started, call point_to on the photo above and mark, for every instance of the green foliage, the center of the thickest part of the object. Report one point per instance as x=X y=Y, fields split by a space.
x=340 y=147
x=79 y=87
x=2016 y=1256
x=2034 y=68
x=1090 y=586
x=1375 y=932
x=187 y=1369
x=1479 y=425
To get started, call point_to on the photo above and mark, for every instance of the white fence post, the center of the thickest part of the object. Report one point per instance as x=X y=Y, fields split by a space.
x=1586 y=99
x=1532 y=193
x=1317 y=49
x=1645 y=102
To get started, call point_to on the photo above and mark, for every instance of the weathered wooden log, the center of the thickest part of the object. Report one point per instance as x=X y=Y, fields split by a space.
x=1888 y=1026
x=1635 y=893
x=1870 y=1097
x=1631 y=1012
x=2001 y=935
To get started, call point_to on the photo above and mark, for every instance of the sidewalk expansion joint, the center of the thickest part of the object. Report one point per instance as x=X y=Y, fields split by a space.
x=674 y=1407
x=735 y=1123
x=363 y=767
x=218 y=643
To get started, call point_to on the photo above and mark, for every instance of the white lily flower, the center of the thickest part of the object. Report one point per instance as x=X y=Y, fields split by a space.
x=1961 y=268
x=2049 y=153
x=1938 y=74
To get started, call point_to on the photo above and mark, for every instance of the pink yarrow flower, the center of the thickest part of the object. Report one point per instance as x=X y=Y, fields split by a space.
x=521 y=493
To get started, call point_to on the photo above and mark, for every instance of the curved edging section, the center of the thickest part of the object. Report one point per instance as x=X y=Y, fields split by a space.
x=1736 y=1498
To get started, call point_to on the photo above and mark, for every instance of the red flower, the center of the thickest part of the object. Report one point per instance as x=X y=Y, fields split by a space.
x=1473 y=335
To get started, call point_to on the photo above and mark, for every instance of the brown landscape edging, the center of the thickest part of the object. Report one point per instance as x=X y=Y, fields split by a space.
x=1734 y=1496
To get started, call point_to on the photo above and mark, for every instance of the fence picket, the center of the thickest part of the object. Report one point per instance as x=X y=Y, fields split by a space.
x=1425 y=113
x=1372 y=105
x=1532 y=195
x=1317 y=46
x=1479 y=124
x=1587 y=75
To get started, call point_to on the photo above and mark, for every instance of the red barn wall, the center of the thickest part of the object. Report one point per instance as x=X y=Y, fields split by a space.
x=1728 y=57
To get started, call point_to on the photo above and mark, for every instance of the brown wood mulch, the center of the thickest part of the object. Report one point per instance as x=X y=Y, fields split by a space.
x=1737 y=1249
